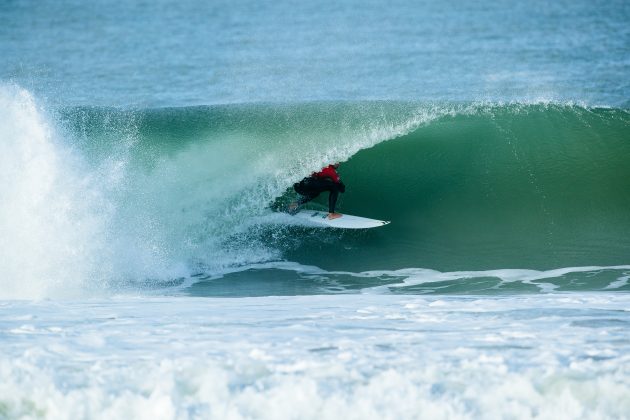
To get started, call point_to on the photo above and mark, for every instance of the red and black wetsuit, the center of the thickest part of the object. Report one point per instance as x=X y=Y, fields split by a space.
x=325 y=180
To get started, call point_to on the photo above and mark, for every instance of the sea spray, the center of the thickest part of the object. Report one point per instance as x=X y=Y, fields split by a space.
x=60 y=208
x=201 y=179
x=110 y=200
x=52 y=220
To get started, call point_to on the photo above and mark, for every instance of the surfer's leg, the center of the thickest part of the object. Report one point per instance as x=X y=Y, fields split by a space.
x=332 y=200
x=308 y=189
x=334 y=190
x=306 y=198
x=303 y=199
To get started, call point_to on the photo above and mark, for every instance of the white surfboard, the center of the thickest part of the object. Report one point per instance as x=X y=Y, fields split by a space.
x=346 y=221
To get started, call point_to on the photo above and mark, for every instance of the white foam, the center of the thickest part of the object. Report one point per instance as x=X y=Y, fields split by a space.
x=619 y=283
x=313 y=357
x=417 y=276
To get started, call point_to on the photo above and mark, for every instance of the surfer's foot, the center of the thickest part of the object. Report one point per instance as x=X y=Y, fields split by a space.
x=293 y=208
x=332 y=216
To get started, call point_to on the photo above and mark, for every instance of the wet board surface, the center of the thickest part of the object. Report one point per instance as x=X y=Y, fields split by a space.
x=346 y=221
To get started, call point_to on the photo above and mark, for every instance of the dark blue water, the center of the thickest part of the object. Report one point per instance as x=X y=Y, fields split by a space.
x=166 y=53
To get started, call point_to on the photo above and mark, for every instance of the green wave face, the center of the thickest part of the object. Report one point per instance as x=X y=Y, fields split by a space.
x=514 y=186
x=465 y=186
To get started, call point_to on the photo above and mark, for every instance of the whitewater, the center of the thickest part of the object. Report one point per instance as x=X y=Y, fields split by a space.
x=145 y=271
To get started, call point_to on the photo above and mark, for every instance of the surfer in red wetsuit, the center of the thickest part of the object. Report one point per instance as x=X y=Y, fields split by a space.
x=325 y=180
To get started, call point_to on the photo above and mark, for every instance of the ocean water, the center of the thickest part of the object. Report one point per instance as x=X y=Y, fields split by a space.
x=144 y=272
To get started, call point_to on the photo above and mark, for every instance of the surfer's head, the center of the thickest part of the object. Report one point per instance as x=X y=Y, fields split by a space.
x=335 y=165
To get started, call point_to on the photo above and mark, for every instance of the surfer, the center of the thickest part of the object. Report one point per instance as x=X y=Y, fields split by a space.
x=325 y=180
